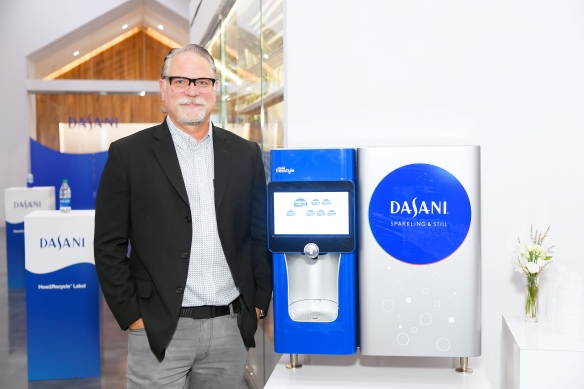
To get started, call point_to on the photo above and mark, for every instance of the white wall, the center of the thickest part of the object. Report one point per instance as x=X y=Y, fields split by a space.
x=505 y=75
x=27 y=26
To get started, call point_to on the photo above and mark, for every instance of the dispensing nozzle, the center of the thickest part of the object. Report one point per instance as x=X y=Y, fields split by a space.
x=311 y=250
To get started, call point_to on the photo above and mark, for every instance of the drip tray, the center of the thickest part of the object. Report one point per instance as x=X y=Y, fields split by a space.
x=316 y=311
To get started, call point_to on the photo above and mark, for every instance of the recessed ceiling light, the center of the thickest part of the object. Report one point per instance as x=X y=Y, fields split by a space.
x=160 y=26
x=143 y=93
x=76 y=53
x=266 y=56
x=124 y=26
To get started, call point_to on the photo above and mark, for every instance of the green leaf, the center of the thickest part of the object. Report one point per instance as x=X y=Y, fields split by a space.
x=548 y=258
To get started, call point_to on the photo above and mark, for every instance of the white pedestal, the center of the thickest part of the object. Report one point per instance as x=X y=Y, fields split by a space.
x=19 y=202
x=62 y=296
x=360 y=371
x=538 y=356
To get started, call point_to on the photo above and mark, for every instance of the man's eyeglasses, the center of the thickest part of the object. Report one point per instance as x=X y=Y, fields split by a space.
x=180 y=84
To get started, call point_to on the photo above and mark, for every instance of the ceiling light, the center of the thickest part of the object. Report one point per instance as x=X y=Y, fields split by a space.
x=143 y=93
x=76 y=53
x=266 y=56
x=124 y=26
x=160 y=26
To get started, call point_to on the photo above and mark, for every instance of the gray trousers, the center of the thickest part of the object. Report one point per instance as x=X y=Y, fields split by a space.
x=203 y=354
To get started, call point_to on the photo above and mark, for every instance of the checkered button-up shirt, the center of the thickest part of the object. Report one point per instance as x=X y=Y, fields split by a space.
x=209 y=280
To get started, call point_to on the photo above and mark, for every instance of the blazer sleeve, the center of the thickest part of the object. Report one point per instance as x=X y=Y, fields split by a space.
x=112 y=226
x=261 y=257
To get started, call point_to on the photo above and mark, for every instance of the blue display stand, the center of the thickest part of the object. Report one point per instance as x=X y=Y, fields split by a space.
x=312 y=199
x=62 y=298
x=19 y=202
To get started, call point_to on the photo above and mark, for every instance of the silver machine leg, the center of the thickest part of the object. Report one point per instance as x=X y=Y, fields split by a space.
x=464 y=369
x=293 y=362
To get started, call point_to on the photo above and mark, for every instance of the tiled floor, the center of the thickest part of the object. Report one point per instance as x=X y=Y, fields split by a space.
x=13 y=368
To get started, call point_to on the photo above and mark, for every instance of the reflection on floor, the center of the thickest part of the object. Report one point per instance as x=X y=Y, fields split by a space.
x=13 y=365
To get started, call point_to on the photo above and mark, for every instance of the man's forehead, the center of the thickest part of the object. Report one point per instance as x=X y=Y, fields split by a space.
x=189 y=59
x=190 y=65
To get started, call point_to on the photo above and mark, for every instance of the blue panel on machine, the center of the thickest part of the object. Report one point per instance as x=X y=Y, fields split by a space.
x=312 y=201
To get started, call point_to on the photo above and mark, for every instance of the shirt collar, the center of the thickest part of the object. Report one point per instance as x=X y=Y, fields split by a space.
x=184 y=140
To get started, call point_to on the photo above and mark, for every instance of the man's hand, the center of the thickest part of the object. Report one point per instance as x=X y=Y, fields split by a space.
x=139 y=324
x=257 y=313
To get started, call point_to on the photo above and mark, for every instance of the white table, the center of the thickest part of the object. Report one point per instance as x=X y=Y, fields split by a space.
x=62 y=296
x=538 y=356
x=358 y=371
x=19 y=202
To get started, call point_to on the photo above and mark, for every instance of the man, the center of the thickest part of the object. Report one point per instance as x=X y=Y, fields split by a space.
x=180 y=238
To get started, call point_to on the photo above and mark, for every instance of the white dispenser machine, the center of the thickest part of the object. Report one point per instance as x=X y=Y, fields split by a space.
x=419 y=251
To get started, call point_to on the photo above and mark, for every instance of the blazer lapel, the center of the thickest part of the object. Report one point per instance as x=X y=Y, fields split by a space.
x=166 y=155
x=222 y=157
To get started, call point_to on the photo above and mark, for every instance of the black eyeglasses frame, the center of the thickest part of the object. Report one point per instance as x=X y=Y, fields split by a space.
x=191 y=80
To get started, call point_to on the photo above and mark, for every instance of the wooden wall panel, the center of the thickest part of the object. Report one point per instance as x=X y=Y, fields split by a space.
x=135 y=58
x=138 y=57
x=53 y=109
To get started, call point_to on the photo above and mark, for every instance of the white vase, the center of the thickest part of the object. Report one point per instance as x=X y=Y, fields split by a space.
x=570 y=304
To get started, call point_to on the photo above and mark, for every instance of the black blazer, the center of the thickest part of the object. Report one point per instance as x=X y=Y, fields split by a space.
x=142 y=199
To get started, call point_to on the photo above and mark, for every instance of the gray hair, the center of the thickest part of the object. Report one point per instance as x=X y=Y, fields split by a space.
x=192 y=48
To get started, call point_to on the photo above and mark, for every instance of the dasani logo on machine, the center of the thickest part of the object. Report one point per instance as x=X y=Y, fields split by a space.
x=437 y=207
x=419 y=214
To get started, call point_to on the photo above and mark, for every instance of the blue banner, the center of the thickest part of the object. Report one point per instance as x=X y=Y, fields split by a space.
x=83 y=171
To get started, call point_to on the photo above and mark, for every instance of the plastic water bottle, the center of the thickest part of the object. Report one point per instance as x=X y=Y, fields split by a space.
x=65 y=197
x=29 y=180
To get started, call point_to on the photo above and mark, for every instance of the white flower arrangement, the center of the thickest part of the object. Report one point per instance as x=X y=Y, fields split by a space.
x=530 y=257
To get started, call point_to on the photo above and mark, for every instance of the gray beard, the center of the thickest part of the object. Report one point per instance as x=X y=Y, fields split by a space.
x=194 y=119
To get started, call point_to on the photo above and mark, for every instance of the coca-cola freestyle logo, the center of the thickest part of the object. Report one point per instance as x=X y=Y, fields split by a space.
x=419 y=214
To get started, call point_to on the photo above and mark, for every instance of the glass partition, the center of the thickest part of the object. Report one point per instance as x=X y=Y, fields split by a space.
x=248 y=48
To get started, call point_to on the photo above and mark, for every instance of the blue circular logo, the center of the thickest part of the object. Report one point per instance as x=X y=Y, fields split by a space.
x=419 y=214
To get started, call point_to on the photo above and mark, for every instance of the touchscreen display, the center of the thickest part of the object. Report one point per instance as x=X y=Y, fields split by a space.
x=311 y=213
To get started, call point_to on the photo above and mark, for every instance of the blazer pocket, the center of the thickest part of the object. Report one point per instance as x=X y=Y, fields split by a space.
x=144 y=288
